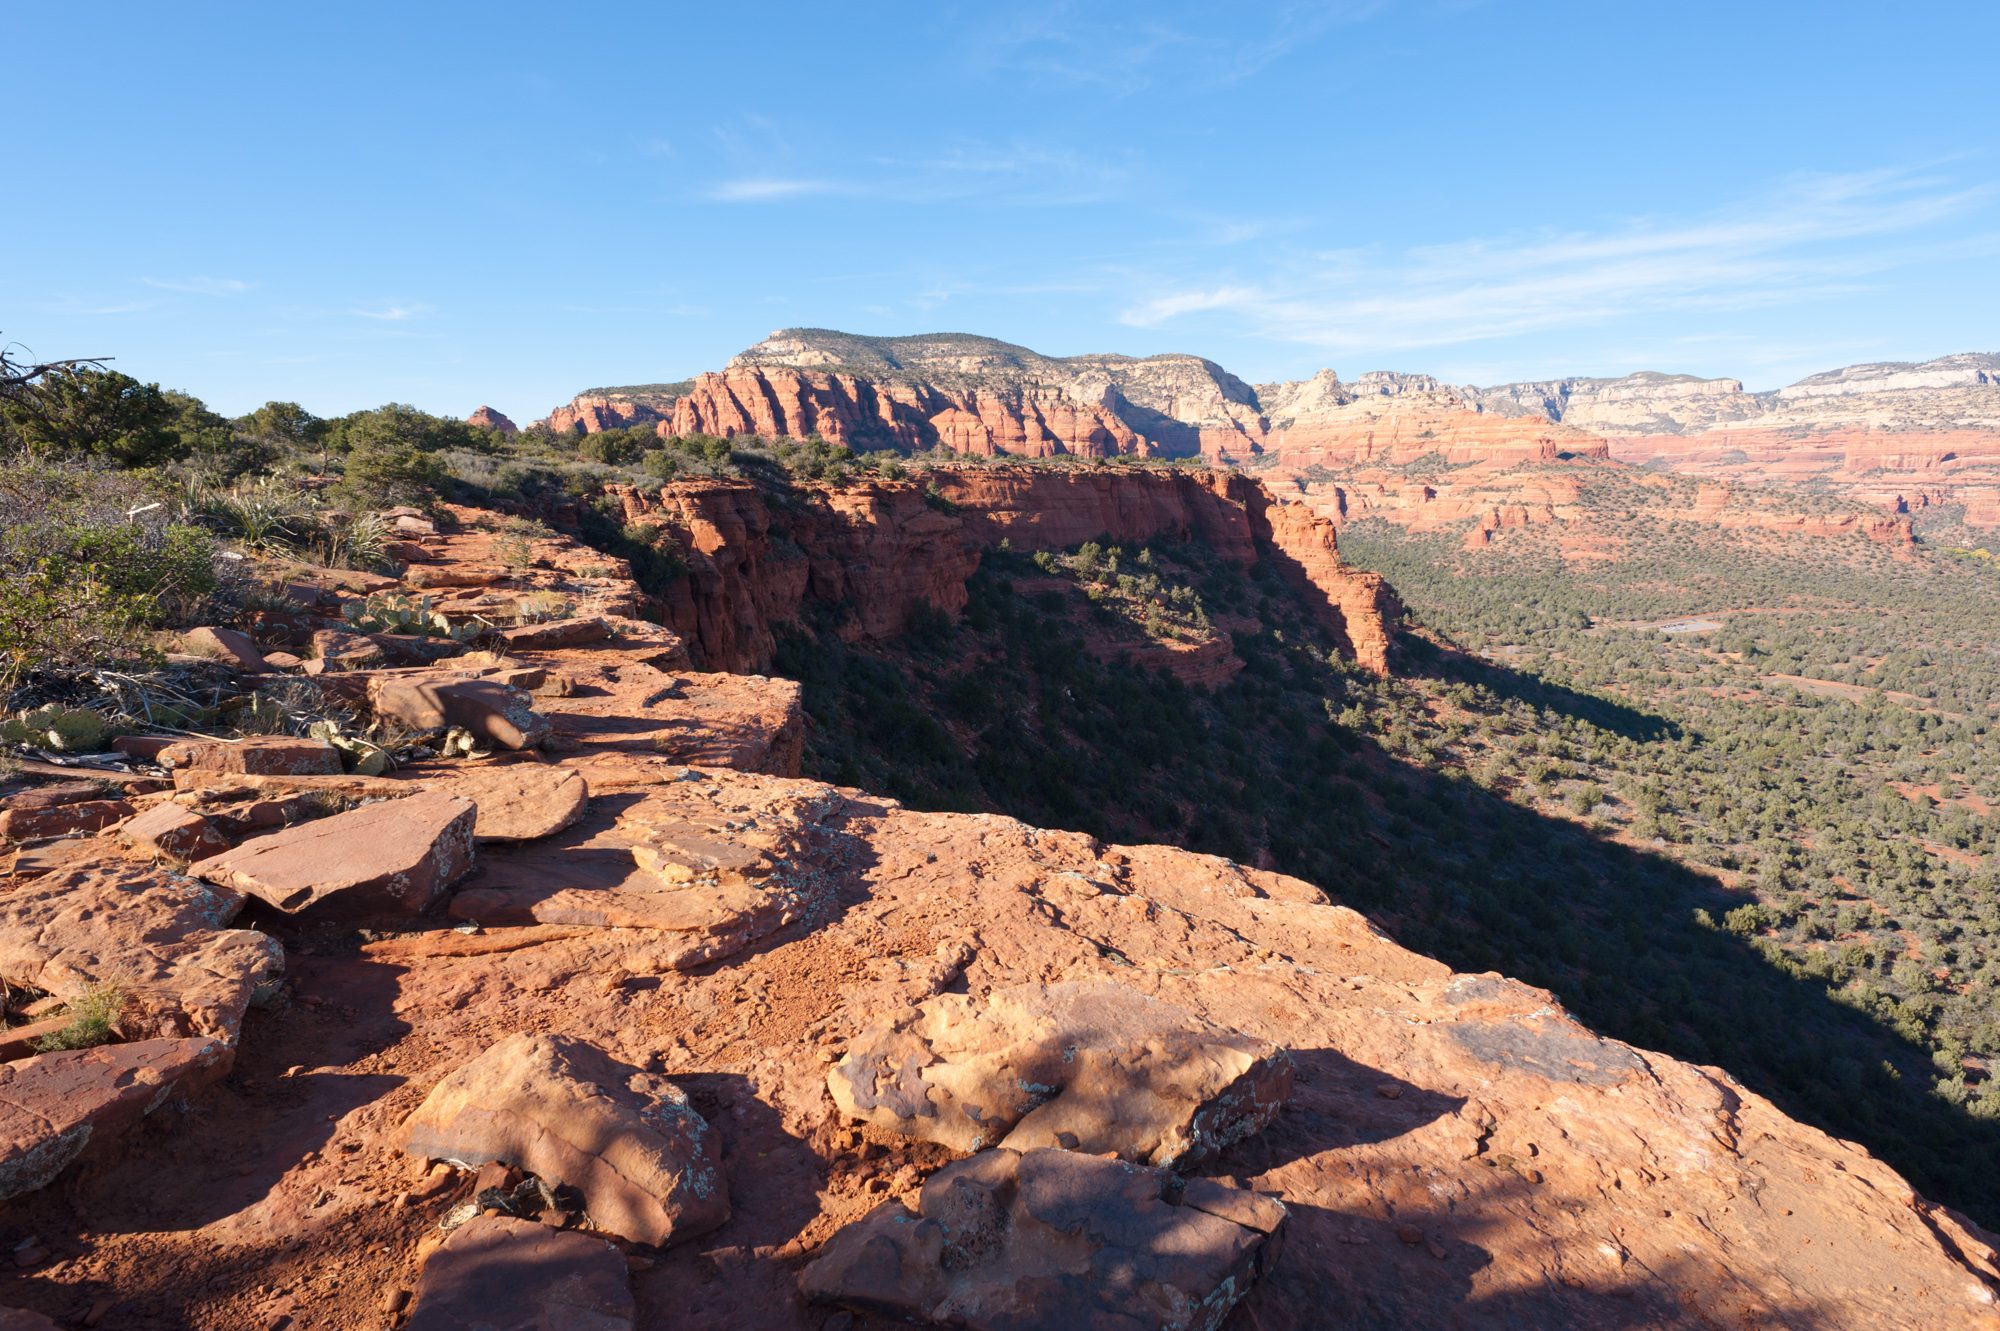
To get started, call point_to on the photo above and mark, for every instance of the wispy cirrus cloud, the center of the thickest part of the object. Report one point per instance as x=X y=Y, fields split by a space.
x=1070 y=41
x=1024 y=175
x=198 y=286
x=1807 y=236
x=391 y=312
x=773 y=189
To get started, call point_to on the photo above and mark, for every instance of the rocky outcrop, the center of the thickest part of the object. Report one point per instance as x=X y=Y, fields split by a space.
x=591 y=413
x=160 y=941
x=55 y=1107
x=1050 y=1240
x=877 y=550
x=1097 y=1068
x=645 y=1163
x=398 y=857
x=1455 y=1149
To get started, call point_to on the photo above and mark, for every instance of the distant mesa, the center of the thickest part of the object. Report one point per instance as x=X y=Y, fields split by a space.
x=1897 y=436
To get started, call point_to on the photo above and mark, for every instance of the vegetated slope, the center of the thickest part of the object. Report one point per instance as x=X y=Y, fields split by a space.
x=1493 y=816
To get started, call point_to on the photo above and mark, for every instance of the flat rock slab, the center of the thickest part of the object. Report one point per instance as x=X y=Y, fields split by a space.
x=522 y=801
x=56 y=1107
x=259 y=755
x=161 y=938
x=1092 y=1066
x=176 y=832
x=1050 y=1241
x=61 y=819
x=703 y=869
x=394 y=857
x=749 y=722
x=555 y=633
x=53 y=794
x=491 y=711
x=648 y=1166
x=499 y=1274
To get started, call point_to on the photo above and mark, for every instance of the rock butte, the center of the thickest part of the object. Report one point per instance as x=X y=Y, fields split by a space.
x=1455 y=1151
x=1890 y=438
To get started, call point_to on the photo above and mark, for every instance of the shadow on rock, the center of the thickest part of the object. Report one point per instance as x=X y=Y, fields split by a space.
x=1335 y=1102
x=743 y=1273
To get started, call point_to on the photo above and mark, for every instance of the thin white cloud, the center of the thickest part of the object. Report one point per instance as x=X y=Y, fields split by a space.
x=198 y=286
x=1022 y=175
x=391 y=313
x=1067 y=41
x=1809 y=237
x=773 y=189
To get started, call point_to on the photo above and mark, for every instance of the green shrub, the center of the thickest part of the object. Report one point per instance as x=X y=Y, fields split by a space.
x=93 y=1020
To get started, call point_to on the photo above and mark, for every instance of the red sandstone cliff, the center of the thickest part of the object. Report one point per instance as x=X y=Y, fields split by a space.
x=866 y=414
x=589 y=414
x=879 y=549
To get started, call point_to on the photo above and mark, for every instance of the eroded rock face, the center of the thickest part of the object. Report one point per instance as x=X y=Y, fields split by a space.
x=499 y=1274
x=648 y=1166
x=397 y=857
x=878 y=550
x=1092 y=1067
x=1006 y=1241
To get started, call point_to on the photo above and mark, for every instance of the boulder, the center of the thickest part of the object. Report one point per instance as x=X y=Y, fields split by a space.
x=55 y=1107
x=259 y=755
x=647 y=1164
x=522 y=801
x=491 y=711
x=226 y=645
x=1090 y=1066
x=33 y=824
x=499 y=1274
x=556 y=633
x=395 y=857
x=23 y=1319
x=1053 y=1240
x=338 y=649
x=160 y=937
x=175 y=831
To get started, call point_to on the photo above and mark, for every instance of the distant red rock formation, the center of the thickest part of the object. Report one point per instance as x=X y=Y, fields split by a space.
x=488 y=419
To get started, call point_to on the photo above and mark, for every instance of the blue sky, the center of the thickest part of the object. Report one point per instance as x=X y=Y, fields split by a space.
x=457 y=203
